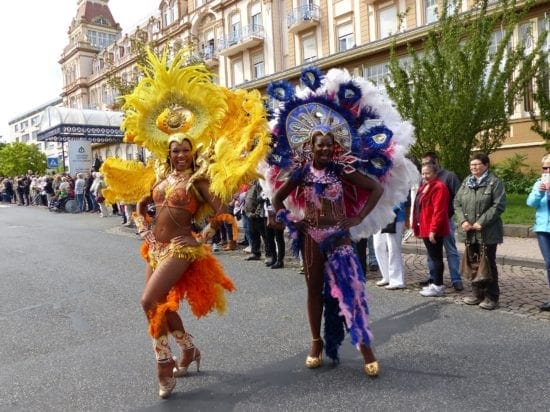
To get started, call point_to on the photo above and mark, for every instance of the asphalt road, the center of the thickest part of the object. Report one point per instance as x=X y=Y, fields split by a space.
x=73 y=337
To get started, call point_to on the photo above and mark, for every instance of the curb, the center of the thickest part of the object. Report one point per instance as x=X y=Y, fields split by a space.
x=501 y=259
x=525 y=231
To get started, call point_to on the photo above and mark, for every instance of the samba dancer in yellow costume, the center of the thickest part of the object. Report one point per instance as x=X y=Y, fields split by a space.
x=207 y=141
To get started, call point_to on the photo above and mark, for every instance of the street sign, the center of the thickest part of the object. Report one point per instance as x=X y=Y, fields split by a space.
x=53 y=163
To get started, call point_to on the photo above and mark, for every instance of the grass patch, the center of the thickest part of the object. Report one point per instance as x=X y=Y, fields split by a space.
x=517 y=212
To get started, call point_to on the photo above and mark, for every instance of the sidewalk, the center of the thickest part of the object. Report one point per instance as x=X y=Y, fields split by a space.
x=515 y=251
x=522 y=278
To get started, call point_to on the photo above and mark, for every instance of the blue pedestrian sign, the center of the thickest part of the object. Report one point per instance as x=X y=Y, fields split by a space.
x=53 y=162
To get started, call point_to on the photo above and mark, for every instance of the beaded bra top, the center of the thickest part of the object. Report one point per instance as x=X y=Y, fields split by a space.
x=174 y=195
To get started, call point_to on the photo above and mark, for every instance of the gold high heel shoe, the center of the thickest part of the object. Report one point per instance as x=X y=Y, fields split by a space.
x=372 y=369
x=166 y=388
x=313 y=362
x=165 y=363
x=184 y=340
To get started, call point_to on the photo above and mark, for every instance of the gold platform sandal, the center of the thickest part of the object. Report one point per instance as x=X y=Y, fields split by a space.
x=165 y=362
x=372 y=369
x=185 y=342
x=313 y=362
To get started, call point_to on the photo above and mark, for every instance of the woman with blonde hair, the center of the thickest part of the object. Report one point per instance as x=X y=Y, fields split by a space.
x=538 y=199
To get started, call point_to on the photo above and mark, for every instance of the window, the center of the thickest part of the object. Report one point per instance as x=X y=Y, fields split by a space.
x=453 y=6
x=526 y=39
x=208 y=44
x=387 y=21
x=307 y=6
x=258 y=66
x=431 y=11
x=309 y=48
x=235 y=29
x=495 y=41
x=526 y=36
x=256 y=16
x=544 y=25
x=377 y=73
x=101 y=21
x=238 y=75
x=99 y=39
x=35 y=120
x=345 y=37
x=528 y=105
x=169 y=14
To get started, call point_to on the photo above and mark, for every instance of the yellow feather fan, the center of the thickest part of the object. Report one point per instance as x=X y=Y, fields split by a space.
x=128 y=181
x=243 y=144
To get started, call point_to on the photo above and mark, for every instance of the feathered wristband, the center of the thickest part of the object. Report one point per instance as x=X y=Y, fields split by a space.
x=283 y=216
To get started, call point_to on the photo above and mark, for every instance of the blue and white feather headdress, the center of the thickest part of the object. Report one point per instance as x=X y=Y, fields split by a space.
x=371 y=137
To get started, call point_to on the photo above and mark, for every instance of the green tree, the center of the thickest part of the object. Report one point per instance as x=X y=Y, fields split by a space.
x=461 y=84
x=17 y=158
x=542 y=98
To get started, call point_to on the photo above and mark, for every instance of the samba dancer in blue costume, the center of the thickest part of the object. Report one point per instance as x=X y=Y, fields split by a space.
x=336 y=169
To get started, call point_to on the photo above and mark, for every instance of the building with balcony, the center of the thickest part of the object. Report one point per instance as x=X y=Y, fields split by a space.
x=249 y=43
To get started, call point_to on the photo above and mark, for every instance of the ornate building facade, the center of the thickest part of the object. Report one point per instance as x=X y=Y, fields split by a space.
x=249 y=43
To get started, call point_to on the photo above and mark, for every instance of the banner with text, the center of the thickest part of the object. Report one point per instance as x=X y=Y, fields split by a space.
x=80 y=156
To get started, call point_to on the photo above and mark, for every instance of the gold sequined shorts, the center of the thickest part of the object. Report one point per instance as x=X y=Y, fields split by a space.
x=158 y=251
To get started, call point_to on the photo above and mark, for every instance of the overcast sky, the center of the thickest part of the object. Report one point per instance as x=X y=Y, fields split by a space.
x=33 y=34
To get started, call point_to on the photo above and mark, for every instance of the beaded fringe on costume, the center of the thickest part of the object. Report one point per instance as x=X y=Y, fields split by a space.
x=345 y=301
x=202 y=285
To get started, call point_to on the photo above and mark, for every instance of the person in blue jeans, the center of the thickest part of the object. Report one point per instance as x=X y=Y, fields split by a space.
x=538 y=198
x=452 y=182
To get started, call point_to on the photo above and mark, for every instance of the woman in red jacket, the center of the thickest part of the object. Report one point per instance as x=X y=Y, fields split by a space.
x=431 y=223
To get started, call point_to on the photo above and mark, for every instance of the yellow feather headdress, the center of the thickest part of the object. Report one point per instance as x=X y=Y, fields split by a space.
x=227 y=128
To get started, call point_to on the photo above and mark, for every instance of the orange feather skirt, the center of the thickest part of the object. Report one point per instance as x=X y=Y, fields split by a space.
x=203 y=285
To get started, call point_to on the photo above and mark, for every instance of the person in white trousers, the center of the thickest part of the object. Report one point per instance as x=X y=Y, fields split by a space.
x=387 y=247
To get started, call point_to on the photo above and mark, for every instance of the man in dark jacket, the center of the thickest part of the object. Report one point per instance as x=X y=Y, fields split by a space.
x=254 y=209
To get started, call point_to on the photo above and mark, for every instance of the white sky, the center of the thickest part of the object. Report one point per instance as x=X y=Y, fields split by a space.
x=33 y=34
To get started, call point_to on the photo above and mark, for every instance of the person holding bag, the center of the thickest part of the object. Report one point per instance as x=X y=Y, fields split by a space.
x=479 y=204
x=538 y=198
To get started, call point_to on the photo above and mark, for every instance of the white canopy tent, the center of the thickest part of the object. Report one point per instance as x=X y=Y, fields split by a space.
x=61 y=124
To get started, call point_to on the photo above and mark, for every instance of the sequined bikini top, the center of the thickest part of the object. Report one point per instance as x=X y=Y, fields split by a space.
x=176 y=196
x=323 y=192
x=322 y=184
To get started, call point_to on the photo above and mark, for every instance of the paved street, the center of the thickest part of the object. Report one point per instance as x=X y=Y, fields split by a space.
x=74 y=338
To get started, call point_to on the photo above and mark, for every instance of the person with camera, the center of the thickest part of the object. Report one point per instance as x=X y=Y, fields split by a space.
x=538 y=199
